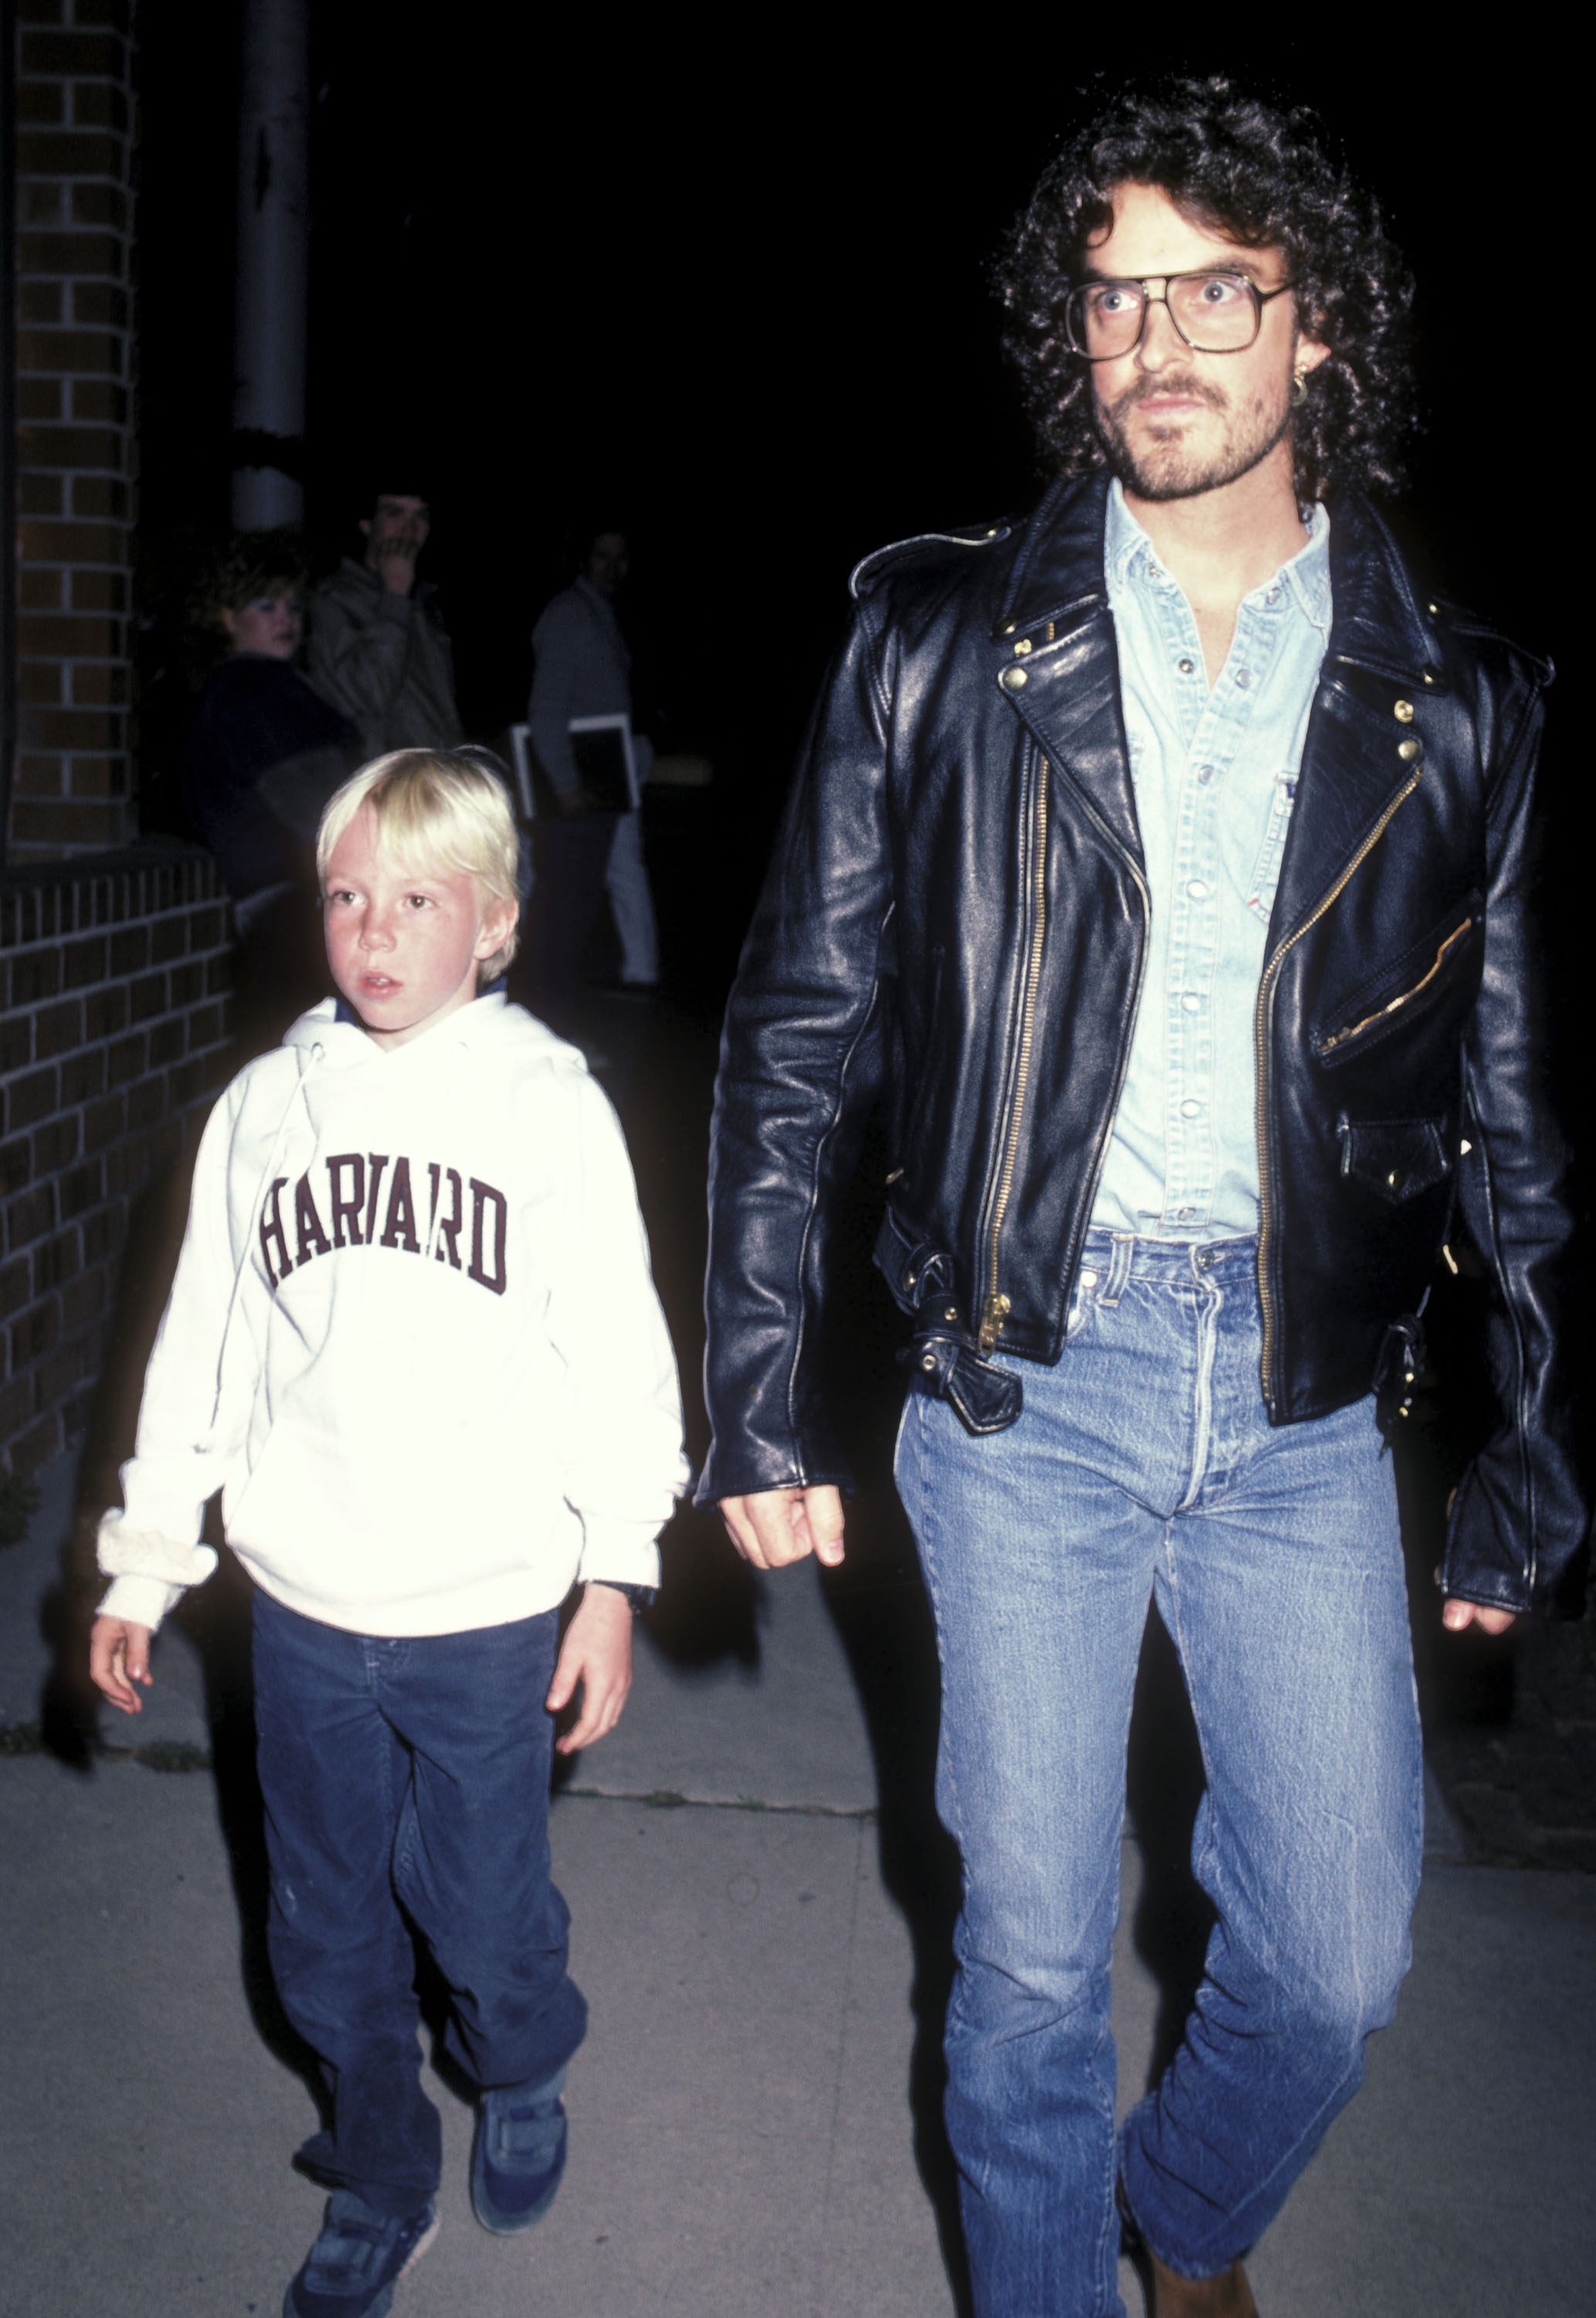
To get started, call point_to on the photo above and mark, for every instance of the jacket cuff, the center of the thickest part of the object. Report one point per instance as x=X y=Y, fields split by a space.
x=740 y=1470
x=1487 y=1559
x=141 y=1601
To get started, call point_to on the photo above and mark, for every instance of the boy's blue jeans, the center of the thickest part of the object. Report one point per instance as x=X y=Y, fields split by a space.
x=407 y=1784
x=1143 y=1462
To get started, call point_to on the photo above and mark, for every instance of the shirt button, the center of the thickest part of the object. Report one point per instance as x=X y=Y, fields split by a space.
x=1243 y=678
x=1186 y=666
x=1189 y=1003
x=1190 y=1109
x=1185 y=1214
x=1197 y=890
x=1205 y=773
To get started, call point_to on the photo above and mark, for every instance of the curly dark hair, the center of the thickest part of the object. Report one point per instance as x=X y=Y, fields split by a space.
x=248 y=564
x=1259 y=175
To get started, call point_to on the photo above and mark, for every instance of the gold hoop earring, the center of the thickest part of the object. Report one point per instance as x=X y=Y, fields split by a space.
x=1299 y=390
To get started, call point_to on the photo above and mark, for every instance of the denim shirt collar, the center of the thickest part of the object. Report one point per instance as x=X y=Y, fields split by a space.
x=1129 y=554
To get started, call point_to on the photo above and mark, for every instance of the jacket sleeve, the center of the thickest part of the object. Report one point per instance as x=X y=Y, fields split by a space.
x=1517 y=1534
x=801 y=1063
x=358 y=652
x=621 y=1422
x=190 y=1419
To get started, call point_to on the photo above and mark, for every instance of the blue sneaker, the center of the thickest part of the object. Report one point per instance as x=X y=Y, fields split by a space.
x=350 y=2270
x=518 y=2155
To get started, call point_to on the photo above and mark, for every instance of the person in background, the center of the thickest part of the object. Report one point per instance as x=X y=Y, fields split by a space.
x=583 y=668
x=264 y=754
x=379 y=649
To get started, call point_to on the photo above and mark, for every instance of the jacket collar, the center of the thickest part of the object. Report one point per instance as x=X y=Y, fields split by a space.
x=1070 y=698
x=1058 y=568
x=1379 y=623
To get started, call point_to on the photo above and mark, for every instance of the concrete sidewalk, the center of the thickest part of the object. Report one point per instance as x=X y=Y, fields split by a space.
x=745 y=2110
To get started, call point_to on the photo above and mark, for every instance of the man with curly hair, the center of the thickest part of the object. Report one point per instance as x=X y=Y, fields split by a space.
x=1161 y=860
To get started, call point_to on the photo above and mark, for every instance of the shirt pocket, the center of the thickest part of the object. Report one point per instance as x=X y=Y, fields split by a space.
x=1266 y=874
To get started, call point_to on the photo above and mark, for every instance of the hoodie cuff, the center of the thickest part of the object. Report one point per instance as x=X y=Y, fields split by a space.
x=619 y=1552
x=141 y=1601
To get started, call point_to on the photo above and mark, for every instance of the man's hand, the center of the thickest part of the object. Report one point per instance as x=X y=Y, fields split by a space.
x=596 y=1652
x=119 y=1656
x=774 y=1527
x=1456 y=1615
x=394 y=561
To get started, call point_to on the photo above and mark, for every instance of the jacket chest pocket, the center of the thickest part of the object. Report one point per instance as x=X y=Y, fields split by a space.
x=1423 y=975
x=1396 y=1158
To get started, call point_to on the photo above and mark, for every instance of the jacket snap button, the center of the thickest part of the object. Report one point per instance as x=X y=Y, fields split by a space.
x=1022 y=648
x=1402 y=710
x=1012 y=678
x=929 y=1361
x=1408 y=750
x=1395 y=1179
x=952 y=1312
x=910 y=1278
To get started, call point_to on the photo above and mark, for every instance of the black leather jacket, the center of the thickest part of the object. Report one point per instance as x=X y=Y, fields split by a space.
x=957 y=918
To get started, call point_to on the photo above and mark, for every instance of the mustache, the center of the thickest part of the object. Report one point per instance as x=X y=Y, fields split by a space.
x=1144 y=389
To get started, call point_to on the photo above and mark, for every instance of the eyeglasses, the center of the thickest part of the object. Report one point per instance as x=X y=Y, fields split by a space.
x=1213 y=313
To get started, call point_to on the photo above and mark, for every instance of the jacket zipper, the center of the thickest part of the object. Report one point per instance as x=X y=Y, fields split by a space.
x=1262 y=1052
x=995 y=1306
x=1356 y=1030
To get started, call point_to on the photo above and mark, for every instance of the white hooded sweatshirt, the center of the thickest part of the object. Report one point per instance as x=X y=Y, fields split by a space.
x=413 y=1339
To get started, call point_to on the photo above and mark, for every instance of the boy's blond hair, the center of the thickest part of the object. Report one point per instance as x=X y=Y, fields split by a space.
x=433 y=808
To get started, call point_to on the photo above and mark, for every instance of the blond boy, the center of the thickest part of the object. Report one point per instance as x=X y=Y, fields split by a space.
x=414 y=1341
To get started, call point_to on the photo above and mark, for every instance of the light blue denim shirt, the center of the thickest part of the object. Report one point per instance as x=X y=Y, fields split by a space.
x=1214 y=775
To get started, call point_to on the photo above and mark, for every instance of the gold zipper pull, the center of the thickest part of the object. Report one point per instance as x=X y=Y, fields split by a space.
x=993 y=1313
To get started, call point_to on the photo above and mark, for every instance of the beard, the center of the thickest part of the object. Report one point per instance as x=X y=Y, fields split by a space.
x=1165 y=464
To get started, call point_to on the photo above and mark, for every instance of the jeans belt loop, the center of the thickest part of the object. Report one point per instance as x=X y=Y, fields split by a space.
x=1119 y=1268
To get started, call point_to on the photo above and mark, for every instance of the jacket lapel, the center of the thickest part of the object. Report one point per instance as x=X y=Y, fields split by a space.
x=1065 y=690
x=1352 y=768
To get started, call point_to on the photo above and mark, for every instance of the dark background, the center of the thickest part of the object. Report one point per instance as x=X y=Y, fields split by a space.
x=728 y=291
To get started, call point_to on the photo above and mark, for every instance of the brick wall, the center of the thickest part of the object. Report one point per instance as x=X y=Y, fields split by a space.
x=114 y=981
x=75 y=444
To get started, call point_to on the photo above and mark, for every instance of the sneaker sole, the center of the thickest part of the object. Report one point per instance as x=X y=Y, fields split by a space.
x=384 y=2302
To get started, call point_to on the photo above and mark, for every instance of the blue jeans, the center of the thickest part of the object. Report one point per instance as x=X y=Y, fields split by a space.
x=1145 y=1462
x=407 y=1793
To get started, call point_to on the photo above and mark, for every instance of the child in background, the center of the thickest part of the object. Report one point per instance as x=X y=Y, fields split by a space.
x=414 y=1341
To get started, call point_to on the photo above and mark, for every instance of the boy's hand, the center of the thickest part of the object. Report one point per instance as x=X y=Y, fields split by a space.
x=596 y=1652
x=119 y=1656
